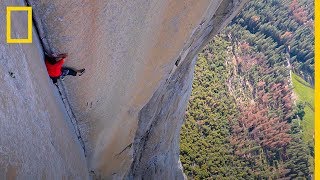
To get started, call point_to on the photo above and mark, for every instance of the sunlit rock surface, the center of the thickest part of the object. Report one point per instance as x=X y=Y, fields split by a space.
x=139 y=57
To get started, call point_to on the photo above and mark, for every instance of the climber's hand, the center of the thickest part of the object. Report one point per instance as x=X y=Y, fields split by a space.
x=63 y=55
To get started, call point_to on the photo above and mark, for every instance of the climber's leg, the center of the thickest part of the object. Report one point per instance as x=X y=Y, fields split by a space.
x=69 y=71
x=54 y=79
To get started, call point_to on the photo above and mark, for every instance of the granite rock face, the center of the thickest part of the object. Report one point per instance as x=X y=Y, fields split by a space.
x=37 y=140
x=139 y=57
x=156 y=144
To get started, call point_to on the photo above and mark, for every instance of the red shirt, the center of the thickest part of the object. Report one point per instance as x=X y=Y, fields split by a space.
x=54 y=70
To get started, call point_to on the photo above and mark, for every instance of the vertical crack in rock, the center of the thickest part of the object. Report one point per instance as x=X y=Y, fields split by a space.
x=39 y=31
x=156 y=144
x=61 y=88
x=71 y=115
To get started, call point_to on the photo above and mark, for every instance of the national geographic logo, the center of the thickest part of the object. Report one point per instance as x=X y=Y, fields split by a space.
x=11 y=9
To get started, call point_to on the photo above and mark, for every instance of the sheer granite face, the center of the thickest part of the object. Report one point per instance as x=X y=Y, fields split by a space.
x=37 y=139
x=139 y=57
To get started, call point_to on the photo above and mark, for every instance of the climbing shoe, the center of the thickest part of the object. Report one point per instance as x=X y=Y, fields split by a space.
x=82 y=71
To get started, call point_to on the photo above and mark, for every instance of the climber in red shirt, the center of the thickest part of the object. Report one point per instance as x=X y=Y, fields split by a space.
x=56 y=71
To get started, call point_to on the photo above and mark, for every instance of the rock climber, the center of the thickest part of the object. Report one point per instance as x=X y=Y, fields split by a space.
x=56 y=71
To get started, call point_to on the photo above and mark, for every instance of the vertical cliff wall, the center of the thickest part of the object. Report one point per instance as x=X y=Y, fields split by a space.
x=156 y=144
x=129 y=105
x=139 y=57
x=37 y=140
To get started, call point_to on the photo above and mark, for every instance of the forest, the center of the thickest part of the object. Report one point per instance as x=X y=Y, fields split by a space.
x=250 y=114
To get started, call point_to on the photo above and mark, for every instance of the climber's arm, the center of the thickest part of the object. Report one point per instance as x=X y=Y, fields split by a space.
x=63 y=55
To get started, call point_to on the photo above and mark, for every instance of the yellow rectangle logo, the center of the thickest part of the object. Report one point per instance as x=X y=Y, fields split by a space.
x=29 y=12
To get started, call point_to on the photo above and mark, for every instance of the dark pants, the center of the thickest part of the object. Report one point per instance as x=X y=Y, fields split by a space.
x=71 y=72
x=65 y=71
